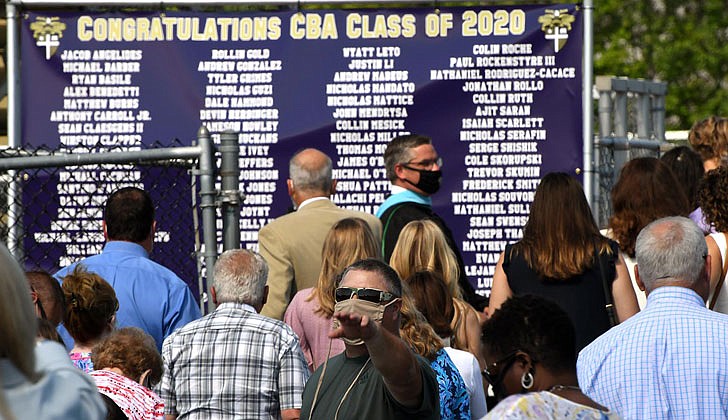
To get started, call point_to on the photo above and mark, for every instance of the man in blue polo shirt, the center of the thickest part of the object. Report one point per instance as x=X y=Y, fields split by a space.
x=150 y=296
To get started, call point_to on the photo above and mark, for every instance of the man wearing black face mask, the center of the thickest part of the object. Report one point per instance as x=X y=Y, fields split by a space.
x=414 y=169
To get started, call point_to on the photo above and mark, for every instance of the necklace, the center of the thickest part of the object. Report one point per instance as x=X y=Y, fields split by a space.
x=346 y=394
x=558 y=388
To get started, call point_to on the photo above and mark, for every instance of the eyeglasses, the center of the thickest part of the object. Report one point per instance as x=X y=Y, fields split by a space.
x=426 y=164
x=495 y=377
x=363 y=293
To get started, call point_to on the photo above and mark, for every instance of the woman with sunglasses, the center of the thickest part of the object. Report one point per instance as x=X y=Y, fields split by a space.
x=528 y=345
x=310 y=311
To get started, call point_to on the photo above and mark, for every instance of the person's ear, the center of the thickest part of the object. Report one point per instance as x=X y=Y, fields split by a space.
x=213 y=292
x=333 y=186
x=291 y=187
x=143 y=379
x=395 y=309
x=265 y=296
x=524 y=361
x=638 y=280
x=106 y=234
x=399 y=170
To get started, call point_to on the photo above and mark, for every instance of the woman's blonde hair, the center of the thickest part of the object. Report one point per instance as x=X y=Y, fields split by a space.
x=348 y=240
x=422 y=247
x=415 y=330
x=18 y=325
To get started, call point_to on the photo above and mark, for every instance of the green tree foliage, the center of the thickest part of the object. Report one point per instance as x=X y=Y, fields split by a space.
x=681 y=42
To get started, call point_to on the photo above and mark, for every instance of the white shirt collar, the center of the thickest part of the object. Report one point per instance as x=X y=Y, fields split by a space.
x=310 y=200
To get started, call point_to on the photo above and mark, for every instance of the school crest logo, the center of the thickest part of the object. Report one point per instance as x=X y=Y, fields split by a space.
x=556 y=25
x=47 y=32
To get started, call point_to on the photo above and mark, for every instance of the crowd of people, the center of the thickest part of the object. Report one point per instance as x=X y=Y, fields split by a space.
x=347 y=315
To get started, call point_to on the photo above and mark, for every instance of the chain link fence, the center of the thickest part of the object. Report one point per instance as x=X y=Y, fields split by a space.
x=53 y=200
x=631 y=124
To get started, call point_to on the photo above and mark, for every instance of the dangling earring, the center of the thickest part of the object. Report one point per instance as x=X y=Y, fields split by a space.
x=527 y=380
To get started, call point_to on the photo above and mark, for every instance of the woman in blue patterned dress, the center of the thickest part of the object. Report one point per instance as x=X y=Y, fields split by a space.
x=454 y=397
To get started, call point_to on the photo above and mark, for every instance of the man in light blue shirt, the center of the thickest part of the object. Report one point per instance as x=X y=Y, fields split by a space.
x=670 y=361
x=150 y=296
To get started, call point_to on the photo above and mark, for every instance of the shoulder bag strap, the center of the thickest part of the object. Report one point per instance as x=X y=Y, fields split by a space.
x=609 y=302
x=721 y=280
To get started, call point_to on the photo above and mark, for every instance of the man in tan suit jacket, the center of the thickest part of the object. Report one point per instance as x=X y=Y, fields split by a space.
x=292 y=244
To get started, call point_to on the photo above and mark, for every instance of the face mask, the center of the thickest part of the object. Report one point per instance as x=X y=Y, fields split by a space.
x=374 y=311
x=429 y=180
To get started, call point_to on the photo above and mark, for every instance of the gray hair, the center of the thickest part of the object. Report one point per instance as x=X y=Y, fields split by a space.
x=240 y=276
x=311 y=175
x=399 y=151
x=671 y=251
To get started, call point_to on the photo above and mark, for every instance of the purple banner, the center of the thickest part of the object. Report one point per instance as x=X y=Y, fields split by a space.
x=497 y=88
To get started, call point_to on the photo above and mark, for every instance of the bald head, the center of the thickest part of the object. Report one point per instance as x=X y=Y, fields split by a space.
x=310 y=175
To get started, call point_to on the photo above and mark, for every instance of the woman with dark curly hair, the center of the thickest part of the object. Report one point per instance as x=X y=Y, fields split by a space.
x=529 y=346
x=645 y=191
x=713 y=199
x=127 y=366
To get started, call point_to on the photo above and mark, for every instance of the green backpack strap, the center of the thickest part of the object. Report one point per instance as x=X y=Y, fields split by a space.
x=386 y=225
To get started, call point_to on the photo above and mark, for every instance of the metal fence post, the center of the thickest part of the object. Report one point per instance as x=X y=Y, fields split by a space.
x=14 y=197
x=658 y=110
x=207 y=203
x=644 y=116
x=621 y=145
x=230 y=195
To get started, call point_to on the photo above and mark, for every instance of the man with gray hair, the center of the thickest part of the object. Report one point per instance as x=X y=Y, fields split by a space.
x=292 y=243
x=669 y=361
x=234 y=363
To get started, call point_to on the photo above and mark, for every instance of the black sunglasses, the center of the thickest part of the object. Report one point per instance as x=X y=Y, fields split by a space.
x=363 y=293
x=495 y=377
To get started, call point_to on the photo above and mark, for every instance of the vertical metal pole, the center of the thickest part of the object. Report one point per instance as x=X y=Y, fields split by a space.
x=15 y=219
x=207 y=203
x=230 y=182
x=587 y=124
x=605 y=131
x=605 y=113
x=621 y=144
x=658 y=112
x=644 y=117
